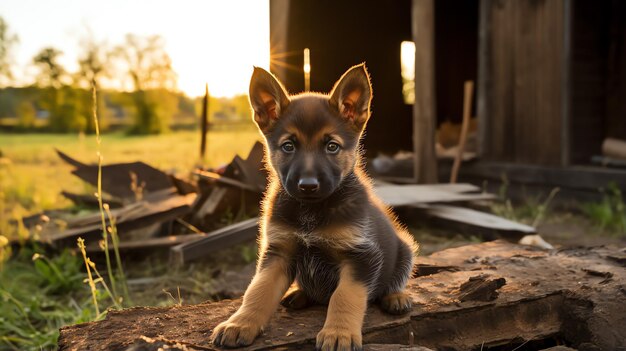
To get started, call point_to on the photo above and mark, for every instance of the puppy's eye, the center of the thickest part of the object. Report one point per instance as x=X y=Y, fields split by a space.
x=288 y=147
x=332 y=147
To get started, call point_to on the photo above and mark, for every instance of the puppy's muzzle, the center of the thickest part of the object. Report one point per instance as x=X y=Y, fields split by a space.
x=308 y=186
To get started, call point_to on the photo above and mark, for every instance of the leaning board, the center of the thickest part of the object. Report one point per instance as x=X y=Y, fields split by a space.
x=402 y=195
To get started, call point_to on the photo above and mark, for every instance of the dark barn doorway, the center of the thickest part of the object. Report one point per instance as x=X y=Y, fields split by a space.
x=597 y=76
x=456 y=55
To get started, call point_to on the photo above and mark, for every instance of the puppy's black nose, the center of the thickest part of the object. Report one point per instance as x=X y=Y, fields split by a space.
x=308 y=185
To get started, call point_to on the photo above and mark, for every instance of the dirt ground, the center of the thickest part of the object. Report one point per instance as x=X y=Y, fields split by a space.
x=574 y=297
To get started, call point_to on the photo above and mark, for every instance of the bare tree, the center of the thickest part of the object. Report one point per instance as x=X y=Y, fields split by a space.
x=51 y=73
x=7 y=42
x=147 y=63
x=93 y=62
x=57 y=97
x=93 y=65
x=149 y=69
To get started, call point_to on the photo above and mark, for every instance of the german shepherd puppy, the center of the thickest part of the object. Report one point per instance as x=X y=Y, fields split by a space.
x=322 y=226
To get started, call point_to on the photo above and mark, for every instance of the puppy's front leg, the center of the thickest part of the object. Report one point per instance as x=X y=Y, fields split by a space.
x=344 y=319
x=259 y=303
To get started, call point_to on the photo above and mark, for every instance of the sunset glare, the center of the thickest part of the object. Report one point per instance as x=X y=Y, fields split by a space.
x=214 y=42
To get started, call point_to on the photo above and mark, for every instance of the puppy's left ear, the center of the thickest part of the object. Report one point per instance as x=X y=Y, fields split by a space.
x=352 y=96
x=268 y=98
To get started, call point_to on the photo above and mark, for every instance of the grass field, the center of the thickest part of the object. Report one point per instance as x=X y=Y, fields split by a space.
x=39 y=294
x=32 y=175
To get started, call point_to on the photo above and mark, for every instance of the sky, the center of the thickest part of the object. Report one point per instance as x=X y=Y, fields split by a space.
x=209 y=41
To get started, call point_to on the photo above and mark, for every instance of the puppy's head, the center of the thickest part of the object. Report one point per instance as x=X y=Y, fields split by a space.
x=312 y=138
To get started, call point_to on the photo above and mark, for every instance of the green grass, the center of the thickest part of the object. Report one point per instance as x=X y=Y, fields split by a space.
x=532 y=210
x=39 y=294
x=610 y=213
x=32 y=175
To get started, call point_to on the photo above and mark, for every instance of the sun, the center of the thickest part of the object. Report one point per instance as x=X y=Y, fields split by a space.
x=226 y=49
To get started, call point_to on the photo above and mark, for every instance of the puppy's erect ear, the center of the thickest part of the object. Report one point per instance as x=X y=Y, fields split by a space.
x=352 y=96
x=267 y=97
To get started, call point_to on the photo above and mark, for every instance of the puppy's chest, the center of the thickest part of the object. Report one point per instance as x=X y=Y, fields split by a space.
x=317 y=273
x=307 y=225
x=308 y=221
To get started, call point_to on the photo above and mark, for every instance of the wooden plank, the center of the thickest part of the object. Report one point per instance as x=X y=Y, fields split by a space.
x=401 y=195
x=224 y=180
x=89 y=200
x=467 y=110
x=566 y=96
x=424 y=108
x=215 y=241
x=210 y=204
x=452 y=188
x=279 y=38
x=484 y=84
x=253 y=170
x=204 y=122
x=116 y=178
x=579 y=178
x=149 y=244
x=134 y=216
x=475 y=218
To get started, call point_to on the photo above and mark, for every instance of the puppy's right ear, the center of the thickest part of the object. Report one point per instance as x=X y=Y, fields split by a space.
x=268 y=98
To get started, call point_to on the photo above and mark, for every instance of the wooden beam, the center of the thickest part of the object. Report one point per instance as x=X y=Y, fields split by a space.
x=566 y=84
x=224 y=180
x=424 y=109
x=401 y=195
x=215 y=241
x=204 y=122
x=148 y=245
x=279 y=38
x=575 y=178
x=484 y=84
x=475 y=218
x=467 y=111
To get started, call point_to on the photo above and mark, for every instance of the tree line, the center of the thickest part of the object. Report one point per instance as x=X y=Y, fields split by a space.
x=64 y=98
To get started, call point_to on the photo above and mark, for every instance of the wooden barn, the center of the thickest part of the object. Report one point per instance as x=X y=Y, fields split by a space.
x=550 y=78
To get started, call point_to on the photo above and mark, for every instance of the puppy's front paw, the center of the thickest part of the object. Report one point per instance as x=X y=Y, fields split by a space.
x=235 y=332
x=396 y=303
x=339 y=339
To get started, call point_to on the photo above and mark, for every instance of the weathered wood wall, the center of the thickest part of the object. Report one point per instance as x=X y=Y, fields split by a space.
x=521 y=84
x=425 y=107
